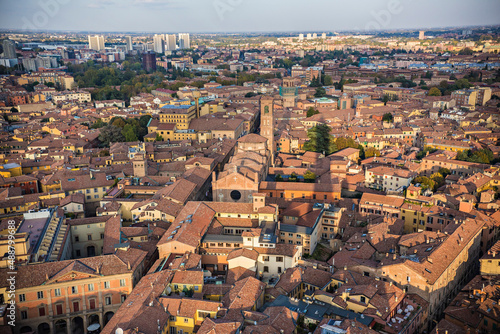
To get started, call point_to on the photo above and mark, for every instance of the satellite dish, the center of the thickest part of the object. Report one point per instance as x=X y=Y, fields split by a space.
x=119 y=331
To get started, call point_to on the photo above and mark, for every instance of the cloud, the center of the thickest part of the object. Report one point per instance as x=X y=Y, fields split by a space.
x=101 y=4
x=158 y=3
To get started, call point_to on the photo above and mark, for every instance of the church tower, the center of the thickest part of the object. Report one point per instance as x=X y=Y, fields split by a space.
x=267 y=124
x=289 y=92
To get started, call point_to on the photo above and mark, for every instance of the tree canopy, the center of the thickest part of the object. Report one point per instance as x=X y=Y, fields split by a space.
x=311 y=112
x=434 y=91
x=120 y=130
x=371 y=152
x=388 y=118
x=309 y=176
x=320 y=92
x=319 y=140
x=483 y=156
x=425 y=182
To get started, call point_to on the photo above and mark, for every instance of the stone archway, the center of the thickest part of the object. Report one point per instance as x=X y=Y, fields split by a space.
x=26 y=329
x=92 y=320
x=43 y=328
x=61 y=327
x=77 y=326
x=107 y=317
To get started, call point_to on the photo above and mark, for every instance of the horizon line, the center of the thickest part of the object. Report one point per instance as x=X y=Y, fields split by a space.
x=427 y=29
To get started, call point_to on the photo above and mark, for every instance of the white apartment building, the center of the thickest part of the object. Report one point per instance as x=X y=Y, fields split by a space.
x=96 y=42
x=388 y=179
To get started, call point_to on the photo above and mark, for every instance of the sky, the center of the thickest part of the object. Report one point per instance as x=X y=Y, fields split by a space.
x=164 y=16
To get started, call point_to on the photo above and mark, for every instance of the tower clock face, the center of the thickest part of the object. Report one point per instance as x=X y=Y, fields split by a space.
x=266 y=109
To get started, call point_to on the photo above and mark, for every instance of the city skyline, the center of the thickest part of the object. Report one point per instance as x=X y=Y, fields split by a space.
x=240 y=16
x=243 y=166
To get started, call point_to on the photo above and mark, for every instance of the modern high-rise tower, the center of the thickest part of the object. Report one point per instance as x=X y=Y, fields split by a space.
x=159 y=43
x=184 y=42
x=149 y=61
x=421 y=34
x=128 y=39
x=170 y=42
x=96 y=42
x=9 y=49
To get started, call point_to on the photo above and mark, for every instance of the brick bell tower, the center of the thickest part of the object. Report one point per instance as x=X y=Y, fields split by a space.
x=267 y=124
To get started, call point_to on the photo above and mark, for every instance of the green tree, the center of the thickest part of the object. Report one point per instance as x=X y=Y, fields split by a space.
x=424 y=152
x=110 y=134
x=129 y=132
x=319 y=139
x=343 y=142
x=320 y=92
x=434 y=91
x=444 y=171
x=483 y=156
x=466 y=51
x=309 y=176
x=311 y=111
x=315 y=82
x=438 y=179
x=385 y=99
x=250 y=94
x=328 y=81
x=158 y=137
x=388 y=118
x=372 y=152
x=462 y=83
x=118 y=122
x=144 y=120
x=98 y=124
x=425 y=182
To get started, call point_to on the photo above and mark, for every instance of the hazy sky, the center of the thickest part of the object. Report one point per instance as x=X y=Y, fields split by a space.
x=244 y=15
